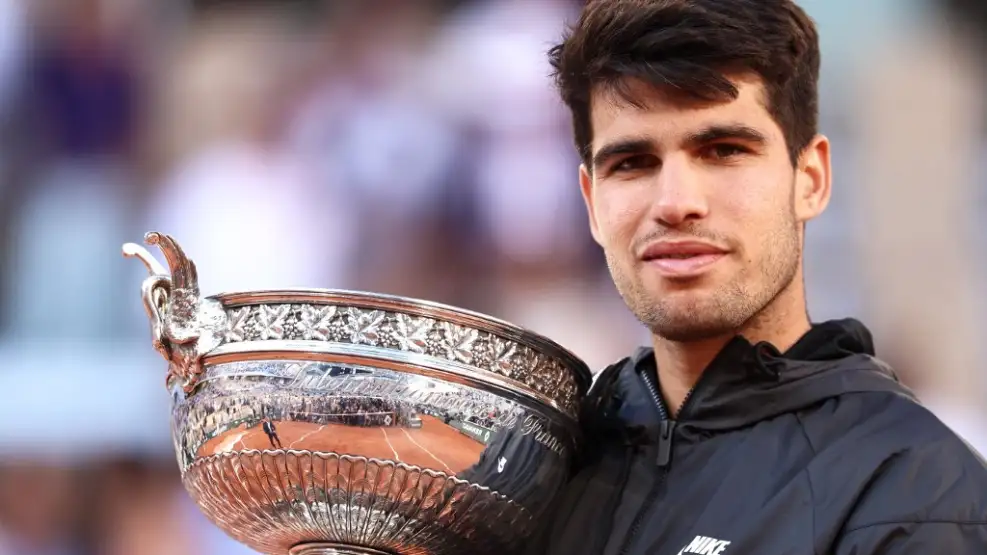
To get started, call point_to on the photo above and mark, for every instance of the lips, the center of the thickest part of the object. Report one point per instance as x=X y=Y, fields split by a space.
x=682 y=259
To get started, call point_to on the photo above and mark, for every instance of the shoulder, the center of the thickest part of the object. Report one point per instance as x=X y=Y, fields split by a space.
x=615 y=380
x=615 y=401
x=894 y=461
x=931 y=473
x=925 y=496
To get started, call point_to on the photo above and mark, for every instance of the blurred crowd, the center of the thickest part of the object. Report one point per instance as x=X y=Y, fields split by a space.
x=407 y=147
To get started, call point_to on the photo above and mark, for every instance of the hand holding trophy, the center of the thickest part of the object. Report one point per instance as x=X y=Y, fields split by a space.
x=318 y=422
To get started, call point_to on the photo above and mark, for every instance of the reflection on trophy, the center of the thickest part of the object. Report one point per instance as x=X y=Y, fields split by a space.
x=316 y=422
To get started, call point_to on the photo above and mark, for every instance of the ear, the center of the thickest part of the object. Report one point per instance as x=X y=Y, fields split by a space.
x=813 y=180
x=586 y=186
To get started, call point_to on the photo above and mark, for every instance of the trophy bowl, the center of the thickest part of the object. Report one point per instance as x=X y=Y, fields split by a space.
x=317 y=422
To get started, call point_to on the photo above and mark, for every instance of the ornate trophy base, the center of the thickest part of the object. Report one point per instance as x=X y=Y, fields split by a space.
x=333 y=549
x=316 y=503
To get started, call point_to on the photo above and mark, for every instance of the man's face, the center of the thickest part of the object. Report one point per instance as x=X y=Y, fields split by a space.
x=697 y=206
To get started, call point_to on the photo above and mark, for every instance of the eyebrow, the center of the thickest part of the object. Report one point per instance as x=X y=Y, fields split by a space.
x=714 y=133
x=609 y=151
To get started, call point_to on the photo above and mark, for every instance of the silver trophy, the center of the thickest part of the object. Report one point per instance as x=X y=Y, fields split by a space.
x=317 y=422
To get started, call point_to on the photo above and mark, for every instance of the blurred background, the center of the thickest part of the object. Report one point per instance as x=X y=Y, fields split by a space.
x=410 y=147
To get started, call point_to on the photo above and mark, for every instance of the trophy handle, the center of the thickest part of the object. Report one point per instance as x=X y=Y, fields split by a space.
x=155 y=291
x=184 y=327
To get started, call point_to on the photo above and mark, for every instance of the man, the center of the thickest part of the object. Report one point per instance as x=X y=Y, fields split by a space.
x=272 y=434
x=745 y=430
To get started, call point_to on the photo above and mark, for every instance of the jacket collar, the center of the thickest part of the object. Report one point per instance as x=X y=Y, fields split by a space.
x=747 y=383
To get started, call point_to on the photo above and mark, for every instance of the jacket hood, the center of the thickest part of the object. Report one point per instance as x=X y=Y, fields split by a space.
x=747 y=383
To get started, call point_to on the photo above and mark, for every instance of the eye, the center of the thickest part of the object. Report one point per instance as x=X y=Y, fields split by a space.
x=634 y=164
x=724 y=151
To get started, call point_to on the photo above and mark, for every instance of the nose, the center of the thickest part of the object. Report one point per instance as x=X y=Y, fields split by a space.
x=679 y=195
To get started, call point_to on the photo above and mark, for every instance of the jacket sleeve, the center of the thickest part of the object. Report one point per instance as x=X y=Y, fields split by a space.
x=915 y=538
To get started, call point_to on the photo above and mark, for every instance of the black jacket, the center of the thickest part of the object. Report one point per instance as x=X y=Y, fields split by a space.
x=819 y=451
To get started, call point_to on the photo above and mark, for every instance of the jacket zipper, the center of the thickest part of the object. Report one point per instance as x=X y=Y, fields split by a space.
x=664 y=458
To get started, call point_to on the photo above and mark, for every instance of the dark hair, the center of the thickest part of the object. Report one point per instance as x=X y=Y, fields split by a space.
x=690 y=45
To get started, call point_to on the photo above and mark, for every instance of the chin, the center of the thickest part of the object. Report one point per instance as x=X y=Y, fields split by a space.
x=694 y=314
x=682 y=309
x=692 y=332
x=688 y=292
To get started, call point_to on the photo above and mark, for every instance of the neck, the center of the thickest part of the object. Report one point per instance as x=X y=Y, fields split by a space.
x=680 y=364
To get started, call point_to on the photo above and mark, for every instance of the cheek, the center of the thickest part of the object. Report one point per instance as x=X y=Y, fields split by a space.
x=619 y=216
x=756 y=199
x=755 y=212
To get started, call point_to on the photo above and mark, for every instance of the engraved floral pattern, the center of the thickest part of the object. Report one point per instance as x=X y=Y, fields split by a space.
x=271 y=319
x=412 y=333
x=419 y=335
x=457 y=342
x=503 y=356
x=238 y=319
x=365 y=326
x=316 y=322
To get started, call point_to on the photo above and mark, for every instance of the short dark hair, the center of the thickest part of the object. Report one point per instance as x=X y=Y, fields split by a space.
x=690 y=46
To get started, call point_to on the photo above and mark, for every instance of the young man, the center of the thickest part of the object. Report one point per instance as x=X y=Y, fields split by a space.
x=272 y=434
x=745 y=430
